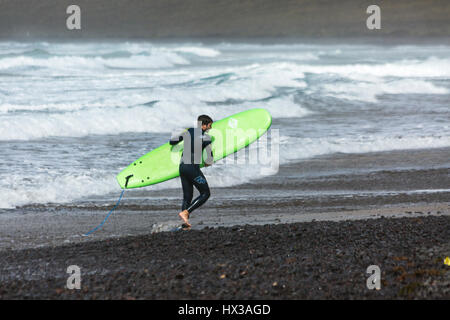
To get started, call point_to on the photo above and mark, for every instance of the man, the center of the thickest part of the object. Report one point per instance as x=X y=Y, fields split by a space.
x=195 y=141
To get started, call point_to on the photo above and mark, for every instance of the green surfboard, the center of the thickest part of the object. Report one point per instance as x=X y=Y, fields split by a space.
x=228 y=136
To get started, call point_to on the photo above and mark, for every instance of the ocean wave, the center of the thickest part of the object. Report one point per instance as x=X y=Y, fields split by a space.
x=163 y=116
x=246 y=83
x=199 y=51
x=93 y=89
x=311 y=147
x=133 y=56
x=431 y=67
x=114 y=100
x=54 y=188
x=66 y=187
x=85 y=64
x=369 y=90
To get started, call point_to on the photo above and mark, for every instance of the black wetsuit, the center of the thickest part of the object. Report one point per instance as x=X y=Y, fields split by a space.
x=195 y=140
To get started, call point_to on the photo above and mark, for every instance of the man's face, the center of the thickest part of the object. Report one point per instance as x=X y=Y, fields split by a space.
x=206 y=127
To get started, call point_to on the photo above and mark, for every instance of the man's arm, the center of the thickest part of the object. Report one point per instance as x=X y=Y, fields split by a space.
x=209 y=154
x=210 y=158
x=177 y=138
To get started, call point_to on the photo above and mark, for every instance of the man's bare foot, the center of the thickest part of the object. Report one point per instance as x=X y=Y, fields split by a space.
x=185 y=216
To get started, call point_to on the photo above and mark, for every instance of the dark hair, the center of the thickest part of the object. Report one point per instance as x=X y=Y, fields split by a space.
x=205 y=119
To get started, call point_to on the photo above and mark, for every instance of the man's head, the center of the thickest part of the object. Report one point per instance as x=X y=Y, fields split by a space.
x=205 y=122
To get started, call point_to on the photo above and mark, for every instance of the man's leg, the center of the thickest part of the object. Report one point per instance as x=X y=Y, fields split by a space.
x=188 y=192
x=202 y=186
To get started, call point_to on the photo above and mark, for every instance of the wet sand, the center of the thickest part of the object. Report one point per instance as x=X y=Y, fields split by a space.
x=308 y=232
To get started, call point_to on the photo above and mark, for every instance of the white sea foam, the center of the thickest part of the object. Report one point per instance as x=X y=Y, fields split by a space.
x=88 y=65
x=134 y=119
x=199 y=51
x=18 y=190
x=310 y=147
x=113 y=100
x=431 y=67
x=369 y=90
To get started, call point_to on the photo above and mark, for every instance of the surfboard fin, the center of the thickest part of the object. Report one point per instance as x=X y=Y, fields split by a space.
x=127 y=178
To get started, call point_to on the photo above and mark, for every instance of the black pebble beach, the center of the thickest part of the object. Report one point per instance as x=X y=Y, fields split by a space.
x=313 y=260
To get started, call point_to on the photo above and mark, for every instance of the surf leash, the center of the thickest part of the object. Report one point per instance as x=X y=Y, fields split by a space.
x=107 y=216
x=104 y=220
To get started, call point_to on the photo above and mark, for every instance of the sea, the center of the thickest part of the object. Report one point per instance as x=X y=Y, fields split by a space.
x=73 y=115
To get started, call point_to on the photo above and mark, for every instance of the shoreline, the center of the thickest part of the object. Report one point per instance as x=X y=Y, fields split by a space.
x=56 y=230
x=332 y=187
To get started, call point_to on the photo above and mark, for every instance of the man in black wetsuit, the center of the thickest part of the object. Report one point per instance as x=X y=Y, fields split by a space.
x=195 y=141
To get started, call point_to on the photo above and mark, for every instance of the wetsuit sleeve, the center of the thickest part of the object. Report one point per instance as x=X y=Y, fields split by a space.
x=177 y=138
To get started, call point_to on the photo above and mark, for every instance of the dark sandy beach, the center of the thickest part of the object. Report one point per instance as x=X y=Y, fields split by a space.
x=310 y=232
x=315 y=260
